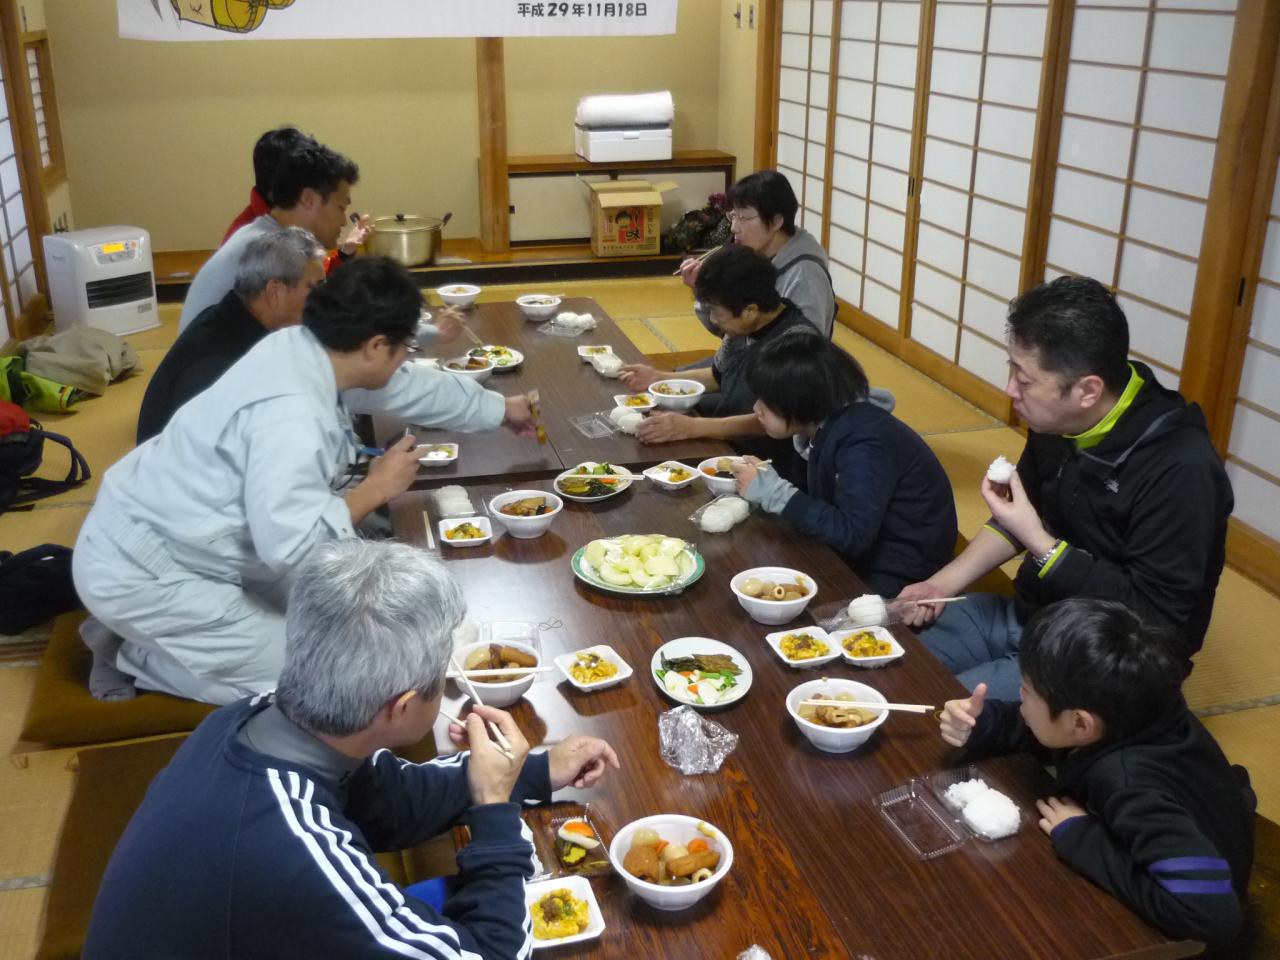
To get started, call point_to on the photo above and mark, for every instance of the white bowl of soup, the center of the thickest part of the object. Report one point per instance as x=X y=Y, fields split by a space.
x=458 y=294
x=500 y=690
x=525 y=514
x=538 y=306
x=773 y=595
x=676 y=893
x=478 y=369
x=836 y=729
x=717 y=474
x=676 y=394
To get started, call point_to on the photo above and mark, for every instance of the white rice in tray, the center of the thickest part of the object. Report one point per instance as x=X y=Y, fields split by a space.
x=991 y=814
x=959 y=794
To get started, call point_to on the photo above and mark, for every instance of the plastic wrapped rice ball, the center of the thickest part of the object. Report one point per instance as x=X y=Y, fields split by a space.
x=868 y=610
x=992 y=814
x=617 y=413
x=737 y=507
x=607 y=365
x=959 y=794
x=630 y=421
x=1000 y=471
x=716 y=518
x=466 y=633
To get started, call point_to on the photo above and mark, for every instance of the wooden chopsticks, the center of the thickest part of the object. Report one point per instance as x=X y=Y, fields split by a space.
x=504 y=745
x=700 y=259
x=870 y=705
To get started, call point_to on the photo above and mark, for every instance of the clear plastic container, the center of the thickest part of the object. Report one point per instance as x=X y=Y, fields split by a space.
x=919 y=817
x=594 y=426
x=545 y=823
x=920 y=814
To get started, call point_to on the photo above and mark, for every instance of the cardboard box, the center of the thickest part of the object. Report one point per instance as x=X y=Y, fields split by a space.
x=626 y=217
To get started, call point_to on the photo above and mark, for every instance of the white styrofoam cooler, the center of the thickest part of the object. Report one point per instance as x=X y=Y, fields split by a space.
x=102 y=278
x=612 y=144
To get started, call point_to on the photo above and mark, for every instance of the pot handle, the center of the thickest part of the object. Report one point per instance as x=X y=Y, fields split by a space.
x=399 y=218
x=445 y=219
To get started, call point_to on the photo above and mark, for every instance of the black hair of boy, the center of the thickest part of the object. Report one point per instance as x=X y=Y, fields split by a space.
x=272 y=147
x=1096 y=655
x=1076 y=328
x=770 y=194
x=805 y=378
x=311 y=167
x=736 y=277
x=367 y=297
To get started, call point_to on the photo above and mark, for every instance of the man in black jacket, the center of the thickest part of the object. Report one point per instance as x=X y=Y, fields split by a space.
x=274 y=276
x=1118 y=493
x=1148 y=808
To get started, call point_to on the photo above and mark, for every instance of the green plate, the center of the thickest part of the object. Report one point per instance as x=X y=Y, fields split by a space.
x=582 y=570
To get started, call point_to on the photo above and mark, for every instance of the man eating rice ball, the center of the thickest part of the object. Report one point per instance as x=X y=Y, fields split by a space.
x=258 y=839
x=1118 y=494
x=1148 y=808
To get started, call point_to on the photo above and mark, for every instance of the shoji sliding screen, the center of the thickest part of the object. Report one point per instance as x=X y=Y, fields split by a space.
x=1139 y=128
x=984 y=85
x=803 y=93
x=1253 y=461
x=871 y=156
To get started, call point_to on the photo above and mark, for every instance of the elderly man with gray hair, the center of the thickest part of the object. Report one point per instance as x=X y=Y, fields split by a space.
x=273 y=278
x=257 y=840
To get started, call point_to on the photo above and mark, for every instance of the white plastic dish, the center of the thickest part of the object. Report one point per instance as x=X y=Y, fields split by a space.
x=437 y=454
x=533 y=307
x=480 y=523
x=479 y=375
x=773 y=612
x=497 y=694
x=835 y=739
x=661 y=475
x=688 y=646
x=775 y=643
x=580 y=889
x=881 y=633
x=674 y=828
x=458 y=294
x=524 y=528
x=565 y=661
x=587 y=351
x=620 y=400
x=717 y=485
x=673 y=401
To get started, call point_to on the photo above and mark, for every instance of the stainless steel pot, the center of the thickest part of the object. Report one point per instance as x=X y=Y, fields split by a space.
x=410 y=239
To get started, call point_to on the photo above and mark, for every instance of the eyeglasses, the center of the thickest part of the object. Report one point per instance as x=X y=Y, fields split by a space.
x=735 y=217
x=411 y=344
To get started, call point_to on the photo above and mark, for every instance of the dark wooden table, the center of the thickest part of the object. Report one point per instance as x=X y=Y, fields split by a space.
x=568 y=387
x=817 y=872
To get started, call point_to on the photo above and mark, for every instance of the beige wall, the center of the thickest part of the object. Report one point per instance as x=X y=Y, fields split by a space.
x=737 y=81
x=160 y=134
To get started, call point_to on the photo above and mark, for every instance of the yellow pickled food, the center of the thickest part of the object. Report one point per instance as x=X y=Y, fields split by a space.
x=803 y=646
x=592 y=668
x=559 y=914
x=866 y=644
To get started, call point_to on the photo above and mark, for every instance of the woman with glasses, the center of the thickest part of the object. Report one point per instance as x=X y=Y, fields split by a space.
x=763 y=217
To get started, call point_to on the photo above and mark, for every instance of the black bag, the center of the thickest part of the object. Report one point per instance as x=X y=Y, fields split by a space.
x=21 y=453
x=35 y=586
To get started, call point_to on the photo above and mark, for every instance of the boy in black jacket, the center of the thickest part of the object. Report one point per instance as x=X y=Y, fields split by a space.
x=1149 y=809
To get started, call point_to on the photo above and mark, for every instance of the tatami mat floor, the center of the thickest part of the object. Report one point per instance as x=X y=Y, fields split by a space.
x=1237 y=678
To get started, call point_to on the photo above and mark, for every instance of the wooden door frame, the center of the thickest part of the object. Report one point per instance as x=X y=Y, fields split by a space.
x=29 y=320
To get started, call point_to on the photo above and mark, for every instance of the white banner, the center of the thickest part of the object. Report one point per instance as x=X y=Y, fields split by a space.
x=365 y=19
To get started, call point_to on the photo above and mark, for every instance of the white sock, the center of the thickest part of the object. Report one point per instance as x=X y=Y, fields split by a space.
x=106 y=681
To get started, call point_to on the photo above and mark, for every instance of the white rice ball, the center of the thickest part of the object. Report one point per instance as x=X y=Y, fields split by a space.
x=992 y=814
x=630 y=422
x=958 y=795
x=1001 y=470
x=716 y=519
x=737 y=507
x=567 y=318
x=868 y=610
x=607 y=365
x=466 y=633
x=617 y=413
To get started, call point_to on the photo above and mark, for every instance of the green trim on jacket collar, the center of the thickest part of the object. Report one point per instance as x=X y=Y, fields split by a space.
x=1095 y=434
